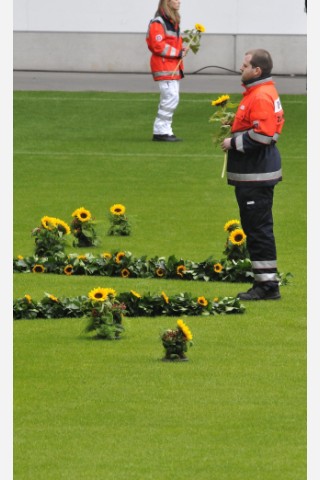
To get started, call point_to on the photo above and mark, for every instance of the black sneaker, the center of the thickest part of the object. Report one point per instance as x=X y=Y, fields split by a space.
x=165 y=138
x=257 y=292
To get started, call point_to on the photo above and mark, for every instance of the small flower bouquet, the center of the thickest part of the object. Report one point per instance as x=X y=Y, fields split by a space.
x=223 y=119
x=191 y=39
x=83 y=229
x=235 y=247
x=119 y=222
x=176 y=342
x=50 y=236
x=104 y=314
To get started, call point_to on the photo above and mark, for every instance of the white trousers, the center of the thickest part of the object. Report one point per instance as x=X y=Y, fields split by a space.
x=169 y=99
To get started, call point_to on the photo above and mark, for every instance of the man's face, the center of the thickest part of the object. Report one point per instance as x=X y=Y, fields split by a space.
x=247 y=70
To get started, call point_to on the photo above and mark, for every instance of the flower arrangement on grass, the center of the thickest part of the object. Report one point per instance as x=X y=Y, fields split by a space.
x=222 y=118
x=104 y=308
x=236 y=246
x=104 y=314
x=235 y=266
x=50 y=236
x=120 y=225
x=191 y=39
x=83 y=229
x=176 y=342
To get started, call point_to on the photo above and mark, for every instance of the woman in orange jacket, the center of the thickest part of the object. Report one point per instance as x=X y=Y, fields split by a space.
x=165 y=43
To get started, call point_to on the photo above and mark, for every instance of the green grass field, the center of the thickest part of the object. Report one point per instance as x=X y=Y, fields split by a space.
x=86 y=409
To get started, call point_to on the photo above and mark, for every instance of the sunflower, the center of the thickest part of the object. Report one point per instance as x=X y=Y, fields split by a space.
x=135 y=294
x=106 y=255
x=82 y=214
x=217 y=267
x=63 y=226
x=237 y=237
x=111 y=292
x=118 y=209
x=28 y=298
x=231 y=223
x=221 y=101
x=165 y=297
x=216 y=299
x=20 y=257
x=185 y=330
x=98 y=294
x=181 y=270
x=125 y=273
x=120 y=256
x=160 y=272
x=202 y=301
x=200 y=28
x=38 y=268
x=53 y=298
x=48 y=222
x=82 y=257
x=68 y=270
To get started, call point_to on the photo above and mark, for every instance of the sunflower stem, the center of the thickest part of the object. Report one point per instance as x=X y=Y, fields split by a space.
x=188 y=45
x=224 y=164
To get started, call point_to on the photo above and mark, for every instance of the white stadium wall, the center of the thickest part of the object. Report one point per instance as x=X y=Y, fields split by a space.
x=108 y=36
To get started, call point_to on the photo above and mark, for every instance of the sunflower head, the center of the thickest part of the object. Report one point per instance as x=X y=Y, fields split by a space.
x=231 y=225
x=68 y=269
x=118 y=209
x=120 y=256
x=125 y=273
x=48 y=223
x=82 y=214
x=135 y=294
x=160 y=272
x=28 y=297
x=111 y=292
x=63 y=227
x=185 y=330
x=165 y=297
x=181 y=270
x=106 y=255
x=38 y=268
x=200 y=28
x=202 y=301
x=98 y=294
x=237 y=237
x=53 y=298
x=221 y=101
x=217 y=267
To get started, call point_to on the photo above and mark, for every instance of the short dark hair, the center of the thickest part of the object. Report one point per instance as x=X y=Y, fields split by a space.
x=261 y=58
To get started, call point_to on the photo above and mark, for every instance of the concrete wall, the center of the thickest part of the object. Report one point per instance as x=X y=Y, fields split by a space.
x=127 y=52
x=284 y=17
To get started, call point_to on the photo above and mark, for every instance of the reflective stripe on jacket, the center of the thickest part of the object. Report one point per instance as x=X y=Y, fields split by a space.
x=254 y=157
x=164 y=41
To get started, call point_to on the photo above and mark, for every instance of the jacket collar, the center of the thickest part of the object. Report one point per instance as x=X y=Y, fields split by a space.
x=257 y=82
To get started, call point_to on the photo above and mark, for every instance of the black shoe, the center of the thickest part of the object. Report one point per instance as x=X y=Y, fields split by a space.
x=258 y=292
x=165 y=138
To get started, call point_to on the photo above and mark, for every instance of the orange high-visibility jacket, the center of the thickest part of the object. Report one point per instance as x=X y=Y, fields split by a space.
x=164 y=41
x=254 y=157
x=260 y=112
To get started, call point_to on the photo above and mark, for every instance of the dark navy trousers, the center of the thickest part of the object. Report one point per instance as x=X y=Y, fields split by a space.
x=255 y=207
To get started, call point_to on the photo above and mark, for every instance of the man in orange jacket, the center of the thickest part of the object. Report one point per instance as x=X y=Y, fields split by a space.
x=165 y=43
x=254 y=168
